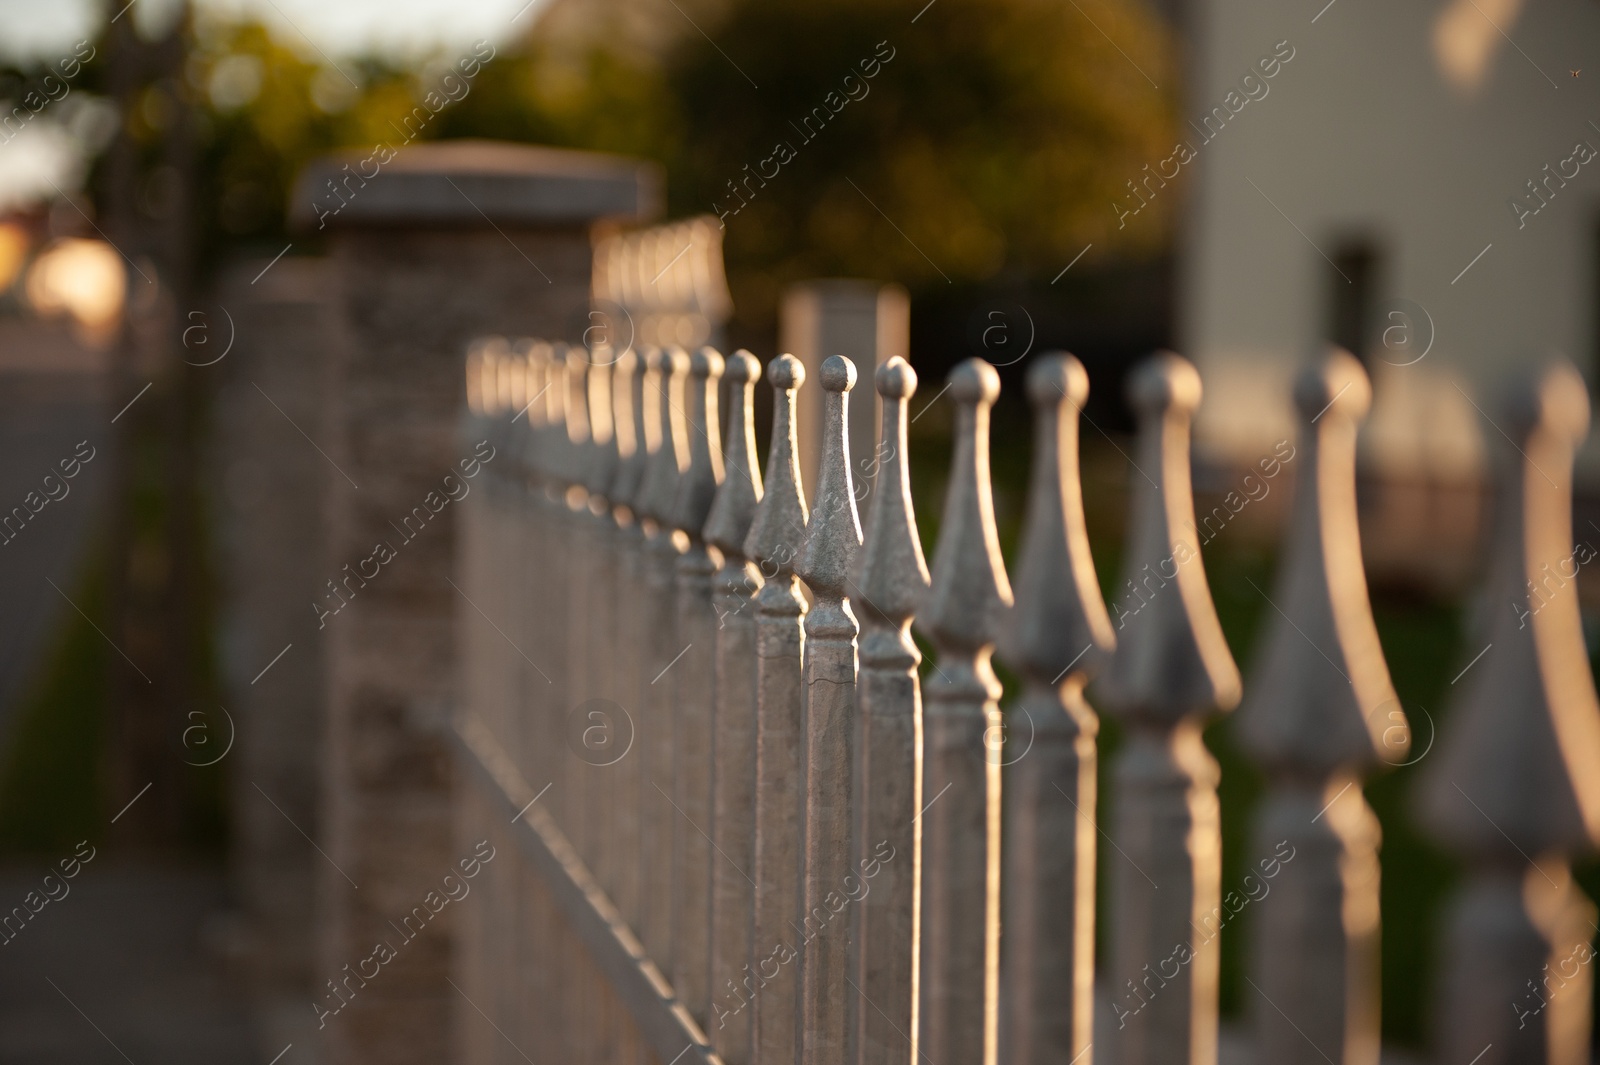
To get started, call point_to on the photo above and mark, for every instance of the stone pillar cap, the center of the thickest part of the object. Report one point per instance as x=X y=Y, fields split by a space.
x=473 y=183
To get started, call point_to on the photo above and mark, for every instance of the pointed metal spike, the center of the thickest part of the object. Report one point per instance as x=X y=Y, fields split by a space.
x=602 y=449
x=891 y=576
x=530 y=447
x=735 y=505
x=834 y=532
x=1515 y=784
x=1321 y=687
x=1060 y=621
x=1171 y=660
x=577 y=409
x=536 y=359
x=890 y=581
x=961 y=831
x=480 y=361
x=1058 y=635
x=553 y=447
x=698 y=488
x=628 y=440
x=646 y=423
x=970 y=591
x=778 y=529
x=671 y=456
x=1318 y=713
x=1524 y=740
x=1171 y=670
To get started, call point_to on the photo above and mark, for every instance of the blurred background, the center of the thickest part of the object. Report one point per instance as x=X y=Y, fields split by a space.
x=1238 y=180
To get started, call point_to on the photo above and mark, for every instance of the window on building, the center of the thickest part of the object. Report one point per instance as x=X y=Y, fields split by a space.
x=1352 y=288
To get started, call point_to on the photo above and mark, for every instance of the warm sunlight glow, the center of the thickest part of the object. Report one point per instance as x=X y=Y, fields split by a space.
x=1466 y=36
x=83 y=278
x=13 y=250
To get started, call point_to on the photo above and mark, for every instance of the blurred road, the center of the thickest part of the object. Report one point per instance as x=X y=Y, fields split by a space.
x=116 y=972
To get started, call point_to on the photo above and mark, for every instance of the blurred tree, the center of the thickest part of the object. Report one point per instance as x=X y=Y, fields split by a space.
x=992 y=141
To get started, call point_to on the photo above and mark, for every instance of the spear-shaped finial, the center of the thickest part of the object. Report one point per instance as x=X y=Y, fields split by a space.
x=627 y=430
x=698 y=488
x=554 y=445
x=532 y=443
x=961 y=832
x=778 y=527
x=1058 y=635
x=602 y=464
x=481 y=355
x=1320 y=712
x=832 y=538
x=664 y=389
x=735 y=505
x=1515 y=785
x=578 y=459
x=970 y=592
x=891 y=580
x=1060 y=621
x=891 y=575
x=834 y=532
x=1170 y=671
x=1171 y=661
x=1321 y=686
x=773 y=544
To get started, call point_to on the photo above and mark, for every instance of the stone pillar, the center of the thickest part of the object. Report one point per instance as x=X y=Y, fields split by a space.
x=270 y=340
x=868 y=323
x=444 y=243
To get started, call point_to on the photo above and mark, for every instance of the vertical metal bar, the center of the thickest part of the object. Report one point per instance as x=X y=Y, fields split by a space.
x=623 y=755
x=656 y=617
x=692 y=680
x=889 y=585
x=833 y=536
x=1058 y=637
x=1171 y=670
x=961 y=776
x=1515 y=785
x=733 y=731
x=774 y=544
x=620 y=757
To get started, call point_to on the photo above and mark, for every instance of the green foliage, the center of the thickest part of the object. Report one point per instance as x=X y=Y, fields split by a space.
x=991 y=138
x=52 y=780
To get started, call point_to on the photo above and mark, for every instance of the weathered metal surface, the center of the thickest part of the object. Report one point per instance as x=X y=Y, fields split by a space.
x=592 y=918
x=833 y=535
x=1319 y=712
x=691 y=675
x=1171 y=670
x=655 y=605
x=1513 y=788
x=733 y=731
x=961 y=775
x=890 y=581
x=1059 y=635
x=774 y=544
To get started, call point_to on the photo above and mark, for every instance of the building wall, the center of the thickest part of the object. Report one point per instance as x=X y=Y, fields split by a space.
x=1381 y=128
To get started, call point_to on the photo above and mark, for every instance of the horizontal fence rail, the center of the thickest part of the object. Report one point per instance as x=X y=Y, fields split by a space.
x=755 y=827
